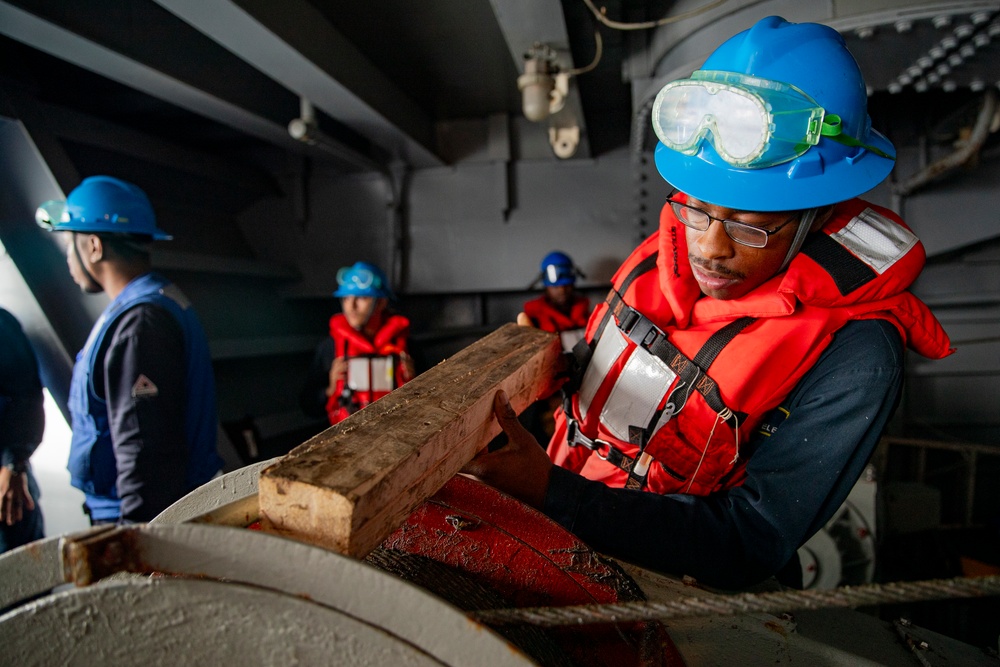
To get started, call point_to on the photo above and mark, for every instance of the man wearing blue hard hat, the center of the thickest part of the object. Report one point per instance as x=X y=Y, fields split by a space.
x=561 y=309
x=142 y=397
x=749 y=355
x=366 y=354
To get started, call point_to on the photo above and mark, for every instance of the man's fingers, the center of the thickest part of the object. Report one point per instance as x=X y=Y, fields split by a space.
x=523 y=320
x=502 y=408
x=509 y=422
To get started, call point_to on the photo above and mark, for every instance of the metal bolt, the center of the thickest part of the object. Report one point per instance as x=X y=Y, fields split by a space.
x=904 y=26
x=914 y=71
x=865 y=33
x=967 y=51
x=944 y=69
x=949 y=86
x=954 y=60
x=949 y=42
x=942 y=21
x=895 y=88
x=904 y=79
x=461 y=523
x=937 y=52
x=981 y=40
x=994 y=29
x=977 y=85
x=920 y=86
x=964 y=30
x=924 y=62
x=980 y=17
x=932 y=77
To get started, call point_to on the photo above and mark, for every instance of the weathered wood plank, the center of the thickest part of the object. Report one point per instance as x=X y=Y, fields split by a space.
x=349 y=487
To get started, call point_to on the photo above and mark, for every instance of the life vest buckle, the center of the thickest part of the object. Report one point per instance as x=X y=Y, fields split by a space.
x=602 y=449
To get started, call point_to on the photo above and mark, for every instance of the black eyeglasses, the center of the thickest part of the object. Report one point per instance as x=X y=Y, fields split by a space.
x=741 y=232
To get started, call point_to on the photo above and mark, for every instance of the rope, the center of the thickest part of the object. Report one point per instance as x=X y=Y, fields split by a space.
x=745 y=603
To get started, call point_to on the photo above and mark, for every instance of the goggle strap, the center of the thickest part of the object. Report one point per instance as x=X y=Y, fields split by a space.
x=832 y=130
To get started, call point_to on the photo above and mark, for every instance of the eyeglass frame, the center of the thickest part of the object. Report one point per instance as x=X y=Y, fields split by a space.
x=726 y=222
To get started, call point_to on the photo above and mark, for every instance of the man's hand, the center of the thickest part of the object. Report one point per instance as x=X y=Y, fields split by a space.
x=409 y=368
x=524 y=321
x=14 y=496
x=519 y=468
x=338 y=372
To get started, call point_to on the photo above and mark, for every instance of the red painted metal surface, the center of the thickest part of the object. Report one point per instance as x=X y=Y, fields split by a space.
x=530 y=560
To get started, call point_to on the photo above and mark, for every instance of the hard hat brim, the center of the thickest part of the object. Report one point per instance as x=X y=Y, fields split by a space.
x=807 y=182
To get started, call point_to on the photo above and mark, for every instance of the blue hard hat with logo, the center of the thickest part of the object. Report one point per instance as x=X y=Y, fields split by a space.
x=776 y=119
x=102 y=205
x=362 y=279
x=558 y=269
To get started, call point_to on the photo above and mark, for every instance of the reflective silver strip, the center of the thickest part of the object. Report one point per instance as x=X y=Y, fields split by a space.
x=381 y=373
x=571 y=337
x=875 y=239
x=643 y=383
x=609 y=348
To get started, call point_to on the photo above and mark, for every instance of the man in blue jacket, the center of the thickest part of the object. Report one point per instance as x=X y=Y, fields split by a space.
x=142 y=398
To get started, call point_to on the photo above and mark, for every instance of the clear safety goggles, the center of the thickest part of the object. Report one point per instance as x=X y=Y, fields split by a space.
x=556 y=272
x=751 y=122
x=358 y=278
x=51 y=213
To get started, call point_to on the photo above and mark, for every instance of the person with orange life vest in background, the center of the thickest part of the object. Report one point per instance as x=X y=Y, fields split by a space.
x=741 y=371
x=366 y=354
x=561 y=309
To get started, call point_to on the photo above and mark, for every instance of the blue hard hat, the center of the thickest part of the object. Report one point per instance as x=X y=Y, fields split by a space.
x=362 y=279
x=558 y=269
x=102 y=205
x=814 y=59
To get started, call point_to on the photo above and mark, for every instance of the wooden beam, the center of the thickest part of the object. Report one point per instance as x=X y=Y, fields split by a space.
x=349 y=487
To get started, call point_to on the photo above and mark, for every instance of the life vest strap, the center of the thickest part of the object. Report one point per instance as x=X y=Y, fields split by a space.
x=693 y=372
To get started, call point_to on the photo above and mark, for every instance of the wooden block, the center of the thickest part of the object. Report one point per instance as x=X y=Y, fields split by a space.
x=349 y=487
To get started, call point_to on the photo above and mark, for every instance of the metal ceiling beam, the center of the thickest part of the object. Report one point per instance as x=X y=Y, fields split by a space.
x=294 y=44
x=56 y=40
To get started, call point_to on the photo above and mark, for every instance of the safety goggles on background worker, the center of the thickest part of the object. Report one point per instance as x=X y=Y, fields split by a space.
x=358 y=278
x=751 y=122
x=559 y=274
x=741 y=232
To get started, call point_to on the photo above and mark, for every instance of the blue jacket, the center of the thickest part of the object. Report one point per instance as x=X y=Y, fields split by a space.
x=96 y=461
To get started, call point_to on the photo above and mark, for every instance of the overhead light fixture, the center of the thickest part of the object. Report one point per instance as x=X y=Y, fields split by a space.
x=543 y=87
x=304 y=128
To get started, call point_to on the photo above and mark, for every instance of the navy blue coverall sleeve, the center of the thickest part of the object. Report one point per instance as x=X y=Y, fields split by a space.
x=797 y=476
x=145 y=389
x=22 y=416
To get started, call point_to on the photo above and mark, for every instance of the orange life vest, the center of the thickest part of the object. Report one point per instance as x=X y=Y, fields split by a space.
x=570 y=326
x=685 y=379
x=374 y=365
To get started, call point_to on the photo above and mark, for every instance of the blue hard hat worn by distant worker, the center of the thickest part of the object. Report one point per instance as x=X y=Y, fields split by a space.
x=102 y=205
x=775 y=120
x=558 y=269
x=362 y=279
